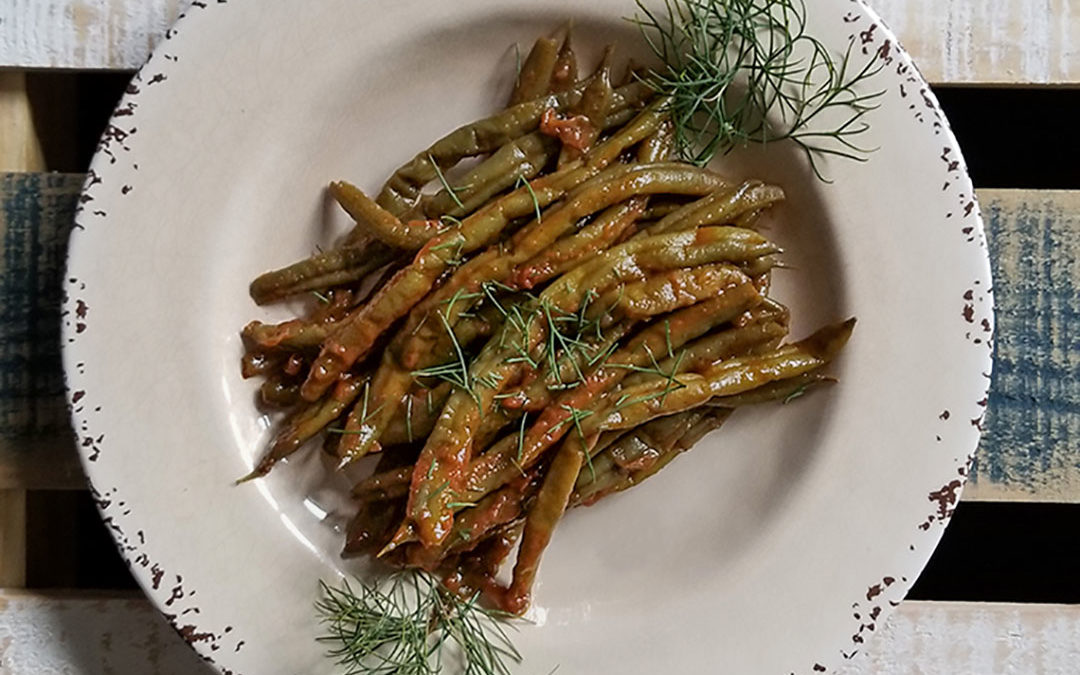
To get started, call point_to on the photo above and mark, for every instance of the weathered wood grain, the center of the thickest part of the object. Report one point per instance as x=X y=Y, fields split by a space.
x=109 y=633
x=953 y=41
x=1029 y=450
x=84 y=34
x=36 y=444
x=989 y=41
x=12 y=539
x=932 y=638
x=20 y=149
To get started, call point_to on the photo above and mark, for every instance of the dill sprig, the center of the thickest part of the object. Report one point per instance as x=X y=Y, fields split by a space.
x=456 y=371
x=523 y=182
x=407 y=626
x=450 y=190
x=741 y=71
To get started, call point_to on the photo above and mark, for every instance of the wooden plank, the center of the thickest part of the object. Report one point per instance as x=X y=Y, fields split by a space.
x=100 y=632
x=83 y=34
x=953 y=41
x=931 y=638
x=12 y=538
x=20 y=149
x=989 y=41
x=36 y=443
x=89 y=633
x=1029 y=447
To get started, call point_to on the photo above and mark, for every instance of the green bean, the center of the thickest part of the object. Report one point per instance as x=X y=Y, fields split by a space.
x=631 y=451
x=593 y=107
x=540 y=523
x=610 y=187
x=290 y=335
x=331 y=268
x=564 y=74
x=483 y=136
x=564 y=254
x=704 y=352
x=642 y=403
x=508 y=457
x=277 y=392
x=384 y=485
x=382 y=224
x=371 y=526
x=258 y=362
x=781 y=390
x=611 y=477
x=371 y=415
x=669 y=290
x=408 y=286
x=447 y=452
x=475 y=523
x=534 y=80
x=721 y=207
x=598 y=235
x=308 y=422
x=417 y=414
x=520 y=159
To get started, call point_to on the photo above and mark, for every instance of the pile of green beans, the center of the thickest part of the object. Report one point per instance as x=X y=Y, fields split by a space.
x=550 y=327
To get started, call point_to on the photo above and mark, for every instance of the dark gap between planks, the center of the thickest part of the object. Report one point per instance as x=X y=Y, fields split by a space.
x=1007 y=552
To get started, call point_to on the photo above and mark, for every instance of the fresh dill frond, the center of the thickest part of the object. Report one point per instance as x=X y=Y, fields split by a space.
x=741 y=71
x=521 y=436
x=450 y=190
x=456 y=372
x=403 y=625
x=521 y=181
x=798 y=393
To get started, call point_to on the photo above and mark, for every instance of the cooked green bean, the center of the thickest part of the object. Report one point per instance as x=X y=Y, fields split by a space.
x=557 y=323
x=339 y=266
x=705 y=352
x=564 y=74
x=308 y=422
x=359 y=331
x=506 y=459
x=541 y=520
x=534 y=80
x=781 y=390
x=279 y=392
x=290 y=335
x=731 y=377
x=593 y=110
x=721 y=207
x=382 y=224
x=487 y=135
x=609 y=476
x=372 y=413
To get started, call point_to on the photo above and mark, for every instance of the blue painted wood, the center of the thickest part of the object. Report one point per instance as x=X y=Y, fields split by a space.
x=36 y=216
x=1031 y=447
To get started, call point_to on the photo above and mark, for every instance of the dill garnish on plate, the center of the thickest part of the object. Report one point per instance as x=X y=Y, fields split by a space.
x=741 y=71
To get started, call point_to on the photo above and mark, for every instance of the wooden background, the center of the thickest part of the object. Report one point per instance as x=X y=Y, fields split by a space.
x=1008 y=73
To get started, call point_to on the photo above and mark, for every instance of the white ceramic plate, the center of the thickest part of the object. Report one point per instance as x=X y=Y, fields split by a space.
x=776 y=546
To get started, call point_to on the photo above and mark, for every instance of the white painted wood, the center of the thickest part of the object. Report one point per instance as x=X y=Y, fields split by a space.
x=47 y=634
x=117 y=34
x=925 y=638
x=89 y=634
x=989 y=41
x=954 y=41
